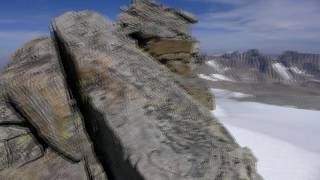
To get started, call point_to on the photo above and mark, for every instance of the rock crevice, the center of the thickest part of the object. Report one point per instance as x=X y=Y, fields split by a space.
x=105 y=143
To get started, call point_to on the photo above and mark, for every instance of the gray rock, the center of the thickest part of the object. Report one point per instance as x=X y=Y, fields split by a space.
x=41 y=96
x=165 y=34
x=50 y=167
x=35 y=86
x=11 y=132
x=17 y=147
x=6 y=114
x=154 y=20
x=143 y=123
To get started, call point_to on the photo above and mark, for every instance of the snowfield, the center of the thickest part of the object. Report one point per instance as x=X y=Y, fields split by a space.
x=285 y=140
x=278 y=160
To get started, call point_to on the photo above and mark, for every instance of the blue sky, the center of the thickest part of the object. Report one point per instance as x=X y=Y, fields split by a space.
x=225 y=25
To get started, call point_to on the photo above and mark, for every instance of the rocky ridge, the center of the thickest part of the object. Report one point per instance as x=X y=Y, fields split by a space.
x=290 y=68
x=88 y=103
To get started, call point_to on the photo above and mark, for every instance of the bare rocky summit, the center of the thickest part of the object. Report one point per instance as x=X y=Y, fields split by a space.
x=91 y=103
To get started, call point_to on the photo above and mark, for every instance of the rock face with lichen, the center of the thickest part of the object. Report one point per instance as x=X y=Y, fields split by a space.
x=39 y=122
x=88 y=103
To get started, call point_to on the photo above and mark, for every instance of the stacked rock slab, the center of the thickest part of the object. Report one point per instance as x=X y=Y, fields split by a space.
x=165 y=34
x=35 y=90
x=146 y=126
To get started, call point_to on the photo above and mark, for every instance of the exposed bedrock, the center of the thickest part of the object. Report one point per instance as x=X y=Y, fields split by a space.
x=36 y=97
x=148 y=128
x=88 y=103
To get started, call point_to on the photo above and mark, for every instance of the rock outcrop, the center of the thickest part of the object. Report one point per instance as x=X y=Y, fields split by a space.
x=37 y=99
x=88 y=103
x=162 y=32
x=165 y=34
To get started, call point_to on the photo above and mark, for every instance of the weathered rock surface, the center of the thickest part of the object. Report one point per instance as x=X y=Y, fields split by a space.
x=17 y=147
x=165 y=33
x=35 y=89
x=49 y=167
x=7 y=115
x=88 y=103
x=150 y=128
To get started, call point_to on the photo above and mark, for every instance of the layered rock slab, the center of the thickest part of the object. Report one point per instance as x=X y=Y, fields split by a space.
x=143 y=123
x=165 y=34
x=35 y=88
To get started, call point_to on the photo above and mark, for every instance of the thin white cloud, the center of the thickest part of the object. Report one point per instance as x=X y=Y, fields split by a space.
x=264 y=24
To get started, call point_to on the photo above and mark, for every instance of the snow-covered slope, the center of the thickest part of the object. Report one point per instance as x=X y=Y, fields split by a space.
x=279 y=160
x=284 y=139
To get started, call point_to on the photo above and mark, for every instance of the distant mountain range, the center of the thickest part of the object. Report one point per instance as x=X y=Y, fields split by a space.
x=291 y=68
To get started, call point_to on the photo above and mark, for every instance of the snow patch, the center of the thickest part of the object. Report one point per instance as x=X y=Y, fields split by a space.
x=297 y=70
x=240 y=95
x=206 y=77
x=214 y=77
x=219 y=112
x=221 y=77
x=230 y=94
x=281 y=70
x=217 y=67
x=284 y=140
x=214 y=65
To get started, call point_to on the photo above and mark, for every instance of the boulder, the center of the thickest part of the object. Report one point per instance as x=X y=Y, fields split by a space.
x=35 y=89
x=146 y=126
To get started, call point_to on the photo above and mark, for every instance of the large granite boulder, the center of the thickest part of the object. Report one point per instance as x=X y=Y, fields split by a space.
x=147 y=126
